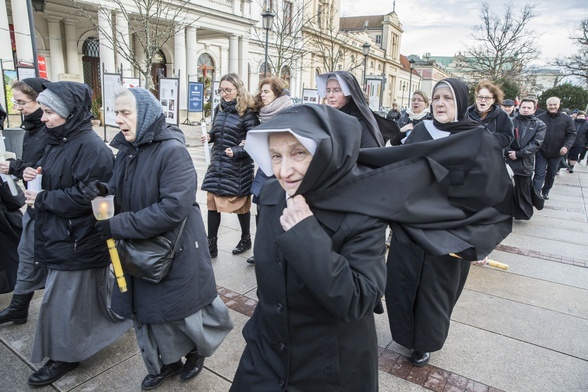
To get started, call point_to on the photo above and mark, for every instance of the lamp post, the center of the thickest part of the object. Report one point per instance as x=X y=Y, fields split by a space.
x=402 y=100
x=39 y=6
x=366 y=50
x=411 y=64
x=267 y=18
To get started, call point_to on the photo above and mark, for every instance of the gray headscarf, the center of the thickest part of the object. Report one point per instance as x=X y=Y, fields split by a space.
x=148 y=110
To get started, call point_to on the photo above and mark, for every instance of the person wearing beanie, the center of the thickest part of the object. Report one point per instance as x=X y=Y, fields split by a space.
x=29 y=276
x=74 y=321
x=156 y=183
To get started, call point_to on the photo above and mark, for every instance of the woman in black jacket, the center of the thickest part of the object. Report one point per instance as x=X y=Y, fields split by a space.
x=74 y=320
x=230 y=173
x=154 y=184
x=31 y=276
x=487 y=112
x=417 y=112
x=581 y=143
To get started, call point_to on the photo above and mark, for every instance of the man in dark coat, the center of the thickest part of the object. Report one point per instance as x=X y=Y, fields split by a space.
x=394 y=113
x=529 y=134
x=560 y=135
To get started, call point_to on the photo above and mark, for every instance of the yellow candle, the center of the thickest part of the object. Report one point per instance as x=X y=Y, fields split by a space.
x=103 y=211
x=118 y=271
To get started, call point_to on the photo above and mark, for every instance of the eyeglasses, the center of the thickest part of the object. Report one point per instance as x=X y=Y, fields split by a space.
x=483 y=98
x=417 y=100
x=226 y=91
x=334 y=90
x=20 y=103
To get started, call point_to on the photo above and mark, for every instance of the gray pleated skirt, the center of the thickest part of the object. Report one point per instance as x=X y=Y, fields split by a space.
x=165 y=343
x=75 y=320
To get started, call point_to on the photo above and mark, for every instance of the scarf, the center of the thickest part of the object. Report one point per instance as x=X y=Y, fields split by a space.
x=417 y=116
x=280 y=103
x=229 y=107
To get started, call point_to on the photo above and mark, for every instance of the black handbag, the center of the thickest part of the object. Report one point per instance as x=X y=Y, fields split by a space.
x=149 y=259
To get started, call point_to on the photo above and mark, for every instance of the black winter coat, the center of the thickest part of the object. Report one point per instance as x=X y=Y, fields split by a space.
x=65 y=236
x=10 y=232
x=155 y=186
x=560 y=132
x=393 y=115
x=529 y=134
x=581 y=132
x=34 y=143
x=497 y=121
x=230 y=176
x=367 y=137
x=318 y=283
x=402 y=121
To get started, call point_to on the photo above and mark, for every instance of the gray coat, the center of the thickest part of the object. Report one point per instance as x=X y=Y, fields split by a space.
x=155 y=187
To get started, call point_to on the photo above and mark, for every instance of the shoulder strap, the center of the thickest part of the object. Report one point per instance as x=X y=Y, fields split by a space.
x=178 y=237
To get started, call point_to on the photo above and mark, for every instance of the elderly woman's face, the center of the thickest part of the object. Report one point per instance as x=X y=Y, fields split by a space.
x=443 y=104
x=484 y=100
x=126 y=116
x=335 y=97
x=417 y=103
x=290 y=160
x=50 y=118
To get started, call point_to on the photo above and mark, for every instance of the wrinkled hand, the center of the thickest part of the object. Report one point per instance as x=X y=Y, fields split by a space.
x=407 y=127
x=30 y=197
x=103 y=228
x=95 y=189
x=4 y=166
x=229 y=152
x=563 y=151
x=30 y=173
x=205 y=138
x=480 y=262
x=512 y=155
x=296 y=211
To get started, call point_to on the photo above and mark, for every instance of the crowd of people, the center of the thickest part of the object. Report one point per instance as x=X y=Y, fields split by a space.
x=331 y=179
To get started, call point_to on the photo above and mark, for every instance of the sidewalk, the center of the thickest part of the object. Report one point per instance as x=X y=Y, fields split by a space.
x=525 y=329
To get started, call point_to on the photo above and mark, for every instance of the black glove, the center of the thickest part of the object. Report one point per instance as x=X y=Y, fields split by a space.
x=103 y=228
x=94 y=189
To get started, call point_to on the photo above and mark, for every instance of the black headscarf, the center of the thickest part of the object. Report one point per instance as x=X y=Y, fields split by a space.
x=450 y=194
x=461 y=97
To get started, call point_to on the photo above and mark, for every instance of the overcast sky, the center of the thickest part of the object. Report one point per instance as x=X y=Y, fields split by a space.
x=443 y=28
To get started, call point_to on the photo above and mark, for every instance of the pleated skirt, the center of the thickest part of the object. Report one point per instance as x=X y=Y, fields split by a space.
x=75 y=320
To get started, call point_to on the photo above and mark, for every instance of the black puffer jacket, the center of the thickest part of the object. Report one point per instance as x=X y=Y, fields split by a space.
x=65 y=236
x=497 y=121
x=529 y=134
x=581 y=132
x=230 y=176
x=560 y=133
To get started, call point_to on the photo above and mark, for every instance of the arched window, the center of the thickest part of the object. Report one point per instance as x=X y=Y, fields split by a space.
x=91 y=65
x=158 y=70
x=262 y=72
x=205 y=66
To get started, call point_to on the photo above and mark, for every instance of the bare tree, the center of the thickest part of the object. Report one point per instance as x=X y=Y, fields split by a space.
x=331 y=45
x=577 y=64
x=152 y=23
x=504 y=46
x=287 y=36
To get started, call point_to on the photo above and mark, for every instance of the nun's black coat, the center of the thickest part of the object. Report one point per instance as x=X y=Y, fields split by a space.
x=318 y=283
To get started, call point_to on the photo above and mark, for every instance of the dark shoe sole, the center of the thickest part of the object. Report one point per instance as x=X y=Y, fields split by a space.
x=188 y=375
x=18 y=321
x=421 y=362
x=161 y=382
x=242 y=250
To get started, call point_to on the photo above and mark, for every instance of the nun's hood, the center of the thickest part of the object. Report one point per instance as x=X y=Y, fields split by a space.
x=336 y=135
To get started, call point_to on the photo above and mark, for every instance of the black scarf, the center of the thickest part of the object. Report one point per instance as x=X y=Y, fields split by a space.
x=229 y=106
x=461 y=96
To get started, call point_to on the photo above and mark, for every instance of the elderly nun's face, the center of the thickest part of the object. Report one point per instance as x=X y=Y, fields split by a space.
x=443 y=105
x=335 y=97
x=125 y=109
x=290 y=160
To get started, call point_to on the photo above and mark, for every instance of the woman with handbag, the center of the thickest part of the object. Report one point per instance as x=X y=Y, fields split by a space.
x=75 y=321
x=154 y=185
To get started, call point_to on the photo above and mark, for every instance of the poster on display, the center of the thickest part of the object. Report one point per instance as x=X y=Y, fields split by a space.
x=374 y=88
x=9 y=76
x=130 y=82
x=110 y=82
x=169 y=99
x=195 y=96
x=25 y=72
x=310 y=95
x=215 y=97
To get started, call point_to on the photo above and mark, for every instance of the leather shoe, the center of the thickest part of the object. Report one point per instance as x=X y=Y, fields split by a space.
x=152 y=381
x=420 y=358
x=251 y=260
x=193 y=366
x=51 y=372
x=243 y=245
x=545 y=196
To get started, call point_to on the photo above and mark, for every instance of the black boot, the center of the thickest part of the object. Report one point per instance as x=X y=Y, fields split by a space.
x=18 y=310
x=193 y=366
x=212 y=247
x=243 y=245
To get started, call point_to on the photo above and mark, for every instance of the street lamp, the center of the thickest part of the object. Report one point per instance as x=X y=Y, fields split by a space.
x=411 y=64
x=366 y=50
x=268 y=19
x=39 y=6
x=402 y=100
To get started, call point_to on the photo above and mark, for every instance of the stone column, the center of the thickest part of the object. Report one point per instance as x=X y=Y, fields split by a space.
x=55 y=47
x=106 y=39
x=191 y=53
x=71 y=46
x=5 y=49
x=22 y=32
x=180 y=64
x=124 y=44
x=234 y=54
x=243 y=63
